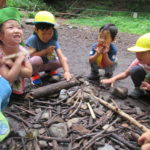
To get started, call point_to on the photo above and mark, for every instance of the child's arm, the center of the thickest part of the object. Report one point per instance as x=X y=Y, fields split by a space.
x=64 y=63
x=144 y=140
x=120 y=76
x=26 y=70
x=98 y=52
x=11 y=70
x=43 y=52
x=106 y=60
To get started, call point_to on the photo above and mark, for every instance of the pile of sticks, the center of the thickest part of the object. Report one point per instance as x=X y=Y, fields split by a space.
x=91 y=122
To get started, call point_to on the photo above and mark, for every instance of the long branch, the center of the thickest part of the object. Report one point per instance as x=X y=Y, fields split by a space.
x=123 y=114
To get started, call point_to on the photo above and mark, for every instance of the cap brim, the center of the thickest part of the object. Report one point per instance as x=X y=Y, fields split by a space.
x=137 y=49
x=35 y=22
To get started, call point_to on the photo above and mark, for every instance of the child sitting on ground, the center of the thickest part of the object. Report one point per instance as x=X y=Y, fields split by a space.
x=139 y=70
x=45 y=42
x=11 y=35
x=10 y=69
x=144 y=141
x=103 y=54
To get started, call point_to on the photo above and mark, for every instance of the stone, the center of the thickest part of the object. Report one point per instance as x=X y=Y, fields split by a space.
x=58 y=130
x=120 y=92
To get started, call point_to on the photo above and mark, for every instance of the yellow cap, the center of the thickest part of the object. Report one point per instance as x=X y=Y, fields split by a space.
x=44 y=17
x=142 y=44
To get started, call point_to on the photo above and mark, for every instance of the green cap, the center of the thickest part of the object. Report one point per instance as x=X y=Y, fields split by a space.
x=9 y=13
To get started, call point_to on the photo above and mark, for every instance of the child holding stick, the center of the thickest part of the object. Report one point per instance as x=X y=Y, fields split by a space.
x=11 y=35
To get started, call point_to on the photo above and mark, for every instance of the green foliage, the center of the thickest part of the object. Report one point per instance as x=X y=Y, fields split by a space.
x=124 y=23
x=33 y=5
x=138 y=5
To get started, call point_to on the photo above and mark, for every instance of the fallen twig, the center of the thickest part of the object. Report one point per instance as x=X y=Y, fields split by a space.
x=123 y=114
x=18 y=118
x=91 y=111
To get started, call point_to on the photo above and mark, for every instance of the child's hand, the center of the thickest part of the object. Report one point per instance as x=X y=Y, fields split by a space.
x=50 y=49
x=102 y=48
x=67 y=76
x=106 y=49
x=145 y=147
x=20 y=59
x=99 y=50
x=108 y=81
x=9 y=63
x=144 y=138
x=145 y=86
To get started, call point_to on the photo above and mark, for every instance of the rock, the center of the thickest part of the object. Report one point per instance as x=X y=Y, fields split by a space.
x=42 y=131
x=72 y=121
x=58 y=130
x=84 y=106
x=107 y=128
x=43 y=144
x=106 y=147
x=63 y=94
x=37 y=126
x=21 y=132
x=120 y=92
x=45 y=116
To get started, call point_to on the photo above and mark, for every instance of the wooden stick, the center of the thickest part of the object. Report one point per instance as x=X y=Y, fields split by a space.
x=18 y=118
x=18 y=54
x=91 y=111
x=46 y=138
x=123 y=114
x=51 y=88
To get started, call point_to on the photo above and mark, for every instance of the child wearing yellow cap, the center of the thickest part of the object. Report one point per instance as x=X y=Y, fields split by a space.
x=103 y=54
x=139 y=70
x=44 y=41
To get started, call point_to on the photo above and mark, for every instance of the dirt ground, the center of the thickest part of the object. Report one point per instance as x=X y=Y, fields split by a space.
x=76 y=41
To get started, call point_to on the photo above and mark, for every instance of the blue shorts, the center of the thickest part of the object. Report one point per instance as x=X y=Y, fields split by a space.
x=5 y=92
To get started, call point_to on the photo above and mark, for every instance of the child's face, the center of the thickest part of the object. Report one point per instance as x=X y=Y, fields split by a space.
x=104 y=38
x=11 y=33
x=45 y=35
x=143 y=57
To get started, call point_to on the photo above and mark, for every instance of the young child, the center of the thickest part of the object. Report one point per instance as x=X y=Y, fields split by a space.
x=139 y=70
x=103 y=54
x=10 y=67
x=6 y=67
x=44 y=41
x=11 y=35
x=144 y=141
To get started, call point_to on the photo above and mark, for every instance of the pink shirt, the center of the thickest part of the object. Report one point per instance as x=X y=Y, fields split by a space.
x=136 y=62
x=18 y=85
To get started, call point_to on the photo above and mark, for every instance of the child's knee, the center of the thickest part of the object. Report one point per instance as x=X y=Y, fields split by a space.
x=137 y=71
x=36 y=60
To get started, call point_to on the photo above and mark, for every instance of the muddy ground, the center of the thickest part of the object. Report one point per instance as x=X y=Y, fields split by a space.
x=76 y=41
